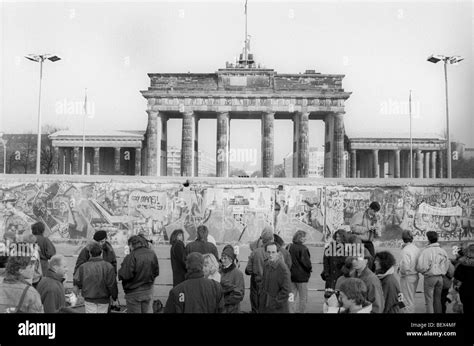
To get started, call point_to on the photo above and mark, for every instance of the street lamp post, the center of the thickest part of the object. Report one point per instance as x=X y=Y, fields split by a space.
x=40 y=59
x=453 y=60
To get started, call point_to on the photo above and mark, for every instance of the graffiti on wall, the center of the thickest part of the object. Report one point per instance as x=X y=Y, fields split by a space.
x=234 y=214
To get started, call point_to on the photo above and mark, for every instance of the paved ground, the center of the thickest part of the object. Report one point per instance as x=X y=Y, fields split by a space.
x=164 y=282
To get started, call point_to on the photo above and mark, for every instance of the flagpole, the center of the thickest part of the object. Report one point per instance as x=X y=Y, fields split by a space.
x=411 y=139
x=84 y=132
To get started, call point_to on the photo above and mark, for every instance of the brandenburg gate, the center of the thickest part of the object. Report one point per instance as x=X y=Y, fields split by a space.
x=244 y=91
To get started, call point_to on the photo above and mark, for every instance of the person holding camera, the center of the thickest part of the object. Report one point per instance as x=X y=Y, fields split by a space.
x=366 y=226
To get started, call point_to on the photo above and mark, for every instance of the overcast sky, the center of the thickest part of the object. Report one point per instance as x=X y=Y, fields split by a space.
x=110 y=47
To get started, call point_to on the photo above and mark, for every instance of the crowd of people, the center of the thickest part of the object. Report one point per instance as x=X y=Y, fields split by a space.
x=204 y=282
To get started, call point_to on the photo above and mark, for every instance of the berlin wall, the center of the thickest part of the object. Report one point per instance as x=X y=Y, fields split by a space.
x=235 y=210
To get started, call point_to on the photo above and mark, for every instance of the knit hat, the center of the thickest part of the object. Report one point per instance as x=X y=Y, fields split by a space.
x=267 y=234
x=194 y=261
x=229 y=252
x=100 y=235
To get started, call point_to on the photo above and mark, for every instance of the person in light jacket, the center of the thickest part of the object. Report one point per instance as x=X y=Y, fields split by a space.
x=433 y=263
x=407 y=269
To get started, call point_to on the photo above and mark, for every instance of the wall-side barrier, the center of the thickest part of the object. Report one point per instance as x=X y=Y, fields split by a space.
x=234 y=210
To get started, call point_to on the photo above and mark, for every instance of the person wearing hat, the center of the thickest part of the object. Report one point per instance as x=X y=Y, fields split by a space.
x=108 y=253
x=232 y=281
x=255 y=266
x=196 y=294
x=366 y=226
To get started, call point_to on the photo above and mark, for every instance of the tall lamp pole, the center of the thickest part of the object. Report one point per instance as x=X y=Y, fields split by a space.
x=40 y=58
x=453 y=60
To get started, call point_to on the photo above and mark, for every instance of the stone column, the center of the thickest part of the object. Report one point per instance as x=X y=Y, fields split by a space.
x=328 y=146
x=196 y=146
x=55 y=168
x=433 y=165
x=117 y=160
x=61 y=161
x=441 y=170
x=296 y=122
x=164 y=145
x=338 y=153
x=138 y=161
x=222 y=149
x=353 y=163
x=301 y=145
x=153 y=139
x=419 y=164
x=187 y=144
x=75 y=160
x=397 y=163
x=96 y=167
x=376 y=168
x=268 y=119
x=427 y=164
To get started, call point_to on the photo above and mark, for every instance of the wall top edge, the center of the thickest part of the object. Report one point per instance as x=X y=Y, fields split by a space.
x=222 y=182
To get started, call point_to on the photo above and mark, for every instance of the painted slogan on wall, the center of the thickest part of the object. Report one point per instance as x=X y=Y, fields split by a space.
x=233 y=214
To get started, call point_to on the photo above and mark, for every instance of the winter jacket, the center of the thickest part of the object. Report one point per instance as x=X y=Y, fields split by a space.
x=11 y=290
x=465 y=273
x=433 y=260
x=233 y=287
x=408 y=259
x=374 y=290
x=97 y=280
x=195 y=295
x=361 y=224
x=108 y=254
x=275 y=288
x=301 y=263
x=46 y=251
x=139 y=270
x=332 y=269
x=203 y=247
x=51 y=290
x=178 y=262
x=391 y=291
x=256 y=264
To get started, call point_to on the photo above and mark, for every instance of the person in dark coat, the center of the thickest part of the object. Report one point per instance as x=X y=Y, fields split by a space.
x=98 y=282
x=232 y=281
x=464 y=273
x=374 y=287
x=196 y=294
x=178 y=256
x=46 y=247
x=300 y=271
x=255 y=266
x=276 y=283
x=385 y=271
x=51 y=286
x=108 y=253
x=201 y=244
x=332 y=264
x=138 y=272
